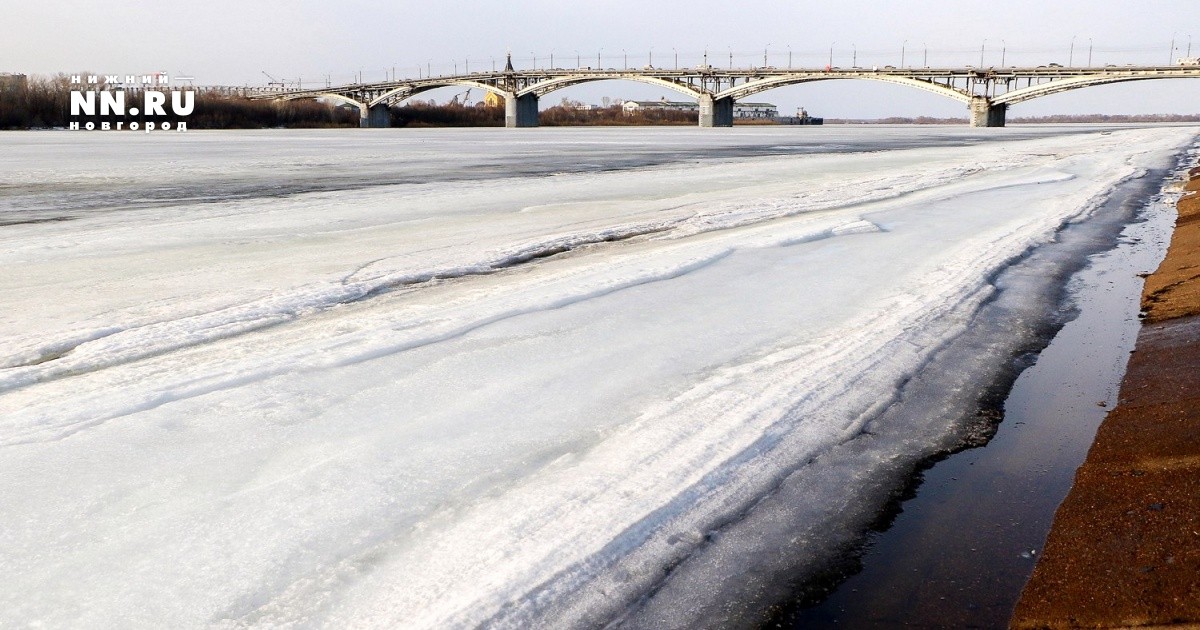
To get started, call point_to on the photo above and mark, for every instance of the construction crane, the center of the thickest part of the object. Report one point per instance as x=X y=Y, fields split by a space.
x=272 y=81
x=466 y=96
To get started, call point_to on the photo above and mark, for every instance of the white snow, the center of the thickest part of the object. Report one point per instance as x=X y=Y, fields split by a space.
x=454 y=400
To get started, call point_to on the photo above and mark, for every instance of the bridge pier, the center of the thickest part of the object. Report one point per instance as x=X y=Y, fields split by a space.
x=985 y=114
x=716 y=112
x=377 y=117
x=520 y=111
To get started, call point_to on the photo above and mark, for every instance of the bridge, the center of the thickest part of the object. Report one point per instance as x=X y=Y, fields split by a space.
x=987 y=92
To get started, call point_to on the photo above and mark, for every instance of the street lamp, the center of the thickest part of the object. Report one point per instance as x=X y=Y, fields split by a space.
x=650 y=58
x=902 y=47
x=578 y=63
x=1071 y=55
x=981 y=49
x=551 y=66
x=789 y=56
x=926 y=63
x=765 y=49
x=1089 y=52
x=599 y=64
x=731 y=59
x=676 y=57
x=534 y=55
x=853 y=55
x=626 y=58
x=830 y=66
x=1003 y=51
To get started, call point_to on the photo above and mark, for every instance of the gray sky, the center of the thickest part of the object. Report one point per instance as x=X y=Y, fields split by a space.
x=232 y=42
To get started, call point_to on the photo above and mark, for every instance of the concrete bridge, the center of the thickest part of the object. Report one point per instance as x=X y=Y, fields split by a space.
x=987 y=92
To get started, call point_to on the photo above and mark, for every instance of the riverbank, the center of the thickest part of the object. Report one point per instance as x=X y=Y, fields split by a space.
x=1124 y=549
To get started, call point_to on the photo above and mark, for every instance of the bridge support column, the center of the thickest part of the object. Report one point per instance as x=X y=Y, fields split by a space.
x=520 y=111
x=379 y=116
x=716 y=112
x=985 y=114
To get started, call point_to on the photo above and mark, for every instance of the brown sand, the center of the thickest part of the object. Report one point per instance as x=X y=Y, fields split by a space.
x=1124 y=549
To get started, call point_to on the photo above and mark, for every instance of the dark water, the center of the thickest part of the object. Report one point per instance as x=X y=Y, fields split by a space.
x=959 y=552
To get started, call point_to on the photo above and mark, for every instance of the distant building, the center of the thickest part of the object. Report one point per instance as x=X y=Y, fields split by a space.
x=491 y=99
x=756 y=111
x=759 y=111
x=12 y=81
x=632 y=107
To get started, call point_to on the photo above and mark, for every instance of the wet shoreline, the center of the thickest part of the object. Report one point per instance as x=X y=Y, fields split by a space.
x=1125 y=545
x=958 y=544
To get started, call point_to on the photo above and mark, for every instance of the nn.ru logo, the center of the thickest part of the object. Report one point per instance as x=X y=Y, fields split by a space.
x=118 y=105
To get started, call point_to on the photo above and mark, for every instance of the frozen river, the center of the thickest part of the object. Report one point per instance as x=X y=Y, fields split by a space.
x=447 y=378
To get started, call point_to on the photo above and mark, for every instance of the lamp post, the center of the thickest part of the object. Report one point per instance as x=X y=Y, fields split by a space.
x=902 y=47
x=981 y=49
x=578 y=61
x=1003 y=51
x=831 y=54
x=1071 y=55
x=926 y=63
x=650 y=58
x=676 y=58
x=789 y=56
x=1089 y=52
x=534 y=55
x=599 y=64
x=551 y=66
x=626 y=58
x=853 y=55
x=731 y=59
x=765 y=49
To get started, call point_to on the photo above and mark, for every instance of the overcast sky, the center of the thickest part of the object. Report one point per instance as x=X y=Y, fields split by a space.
x=234 y=42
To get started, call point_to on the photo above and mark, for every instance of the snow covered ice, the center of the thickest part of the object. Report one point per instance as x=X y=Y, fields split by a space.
x=448 y=378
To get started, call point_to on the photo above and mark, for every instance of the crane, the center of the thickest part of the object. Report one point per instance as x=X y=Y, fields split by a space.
x=272 y=81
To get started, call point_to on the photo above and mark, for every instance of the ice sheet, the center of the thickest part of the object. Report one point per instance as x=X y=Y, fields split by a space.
x=441 y=400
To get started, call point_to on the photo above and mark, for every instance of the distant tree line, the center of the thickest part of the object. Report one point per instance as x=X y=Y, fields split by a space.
x=1108 y=118
x=40 y=102
x=429 y=114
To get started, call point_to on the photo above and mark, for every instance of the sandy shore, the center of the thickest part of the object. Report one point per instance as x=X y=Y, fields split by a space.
x=1124 y=549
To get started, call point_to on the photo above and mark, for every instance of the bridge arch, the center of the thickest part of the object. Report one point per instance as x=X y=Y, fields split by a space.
x=409 y=91
x=334 y=96
x=551 y=85
x=1074 y=83
x=740 y=92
